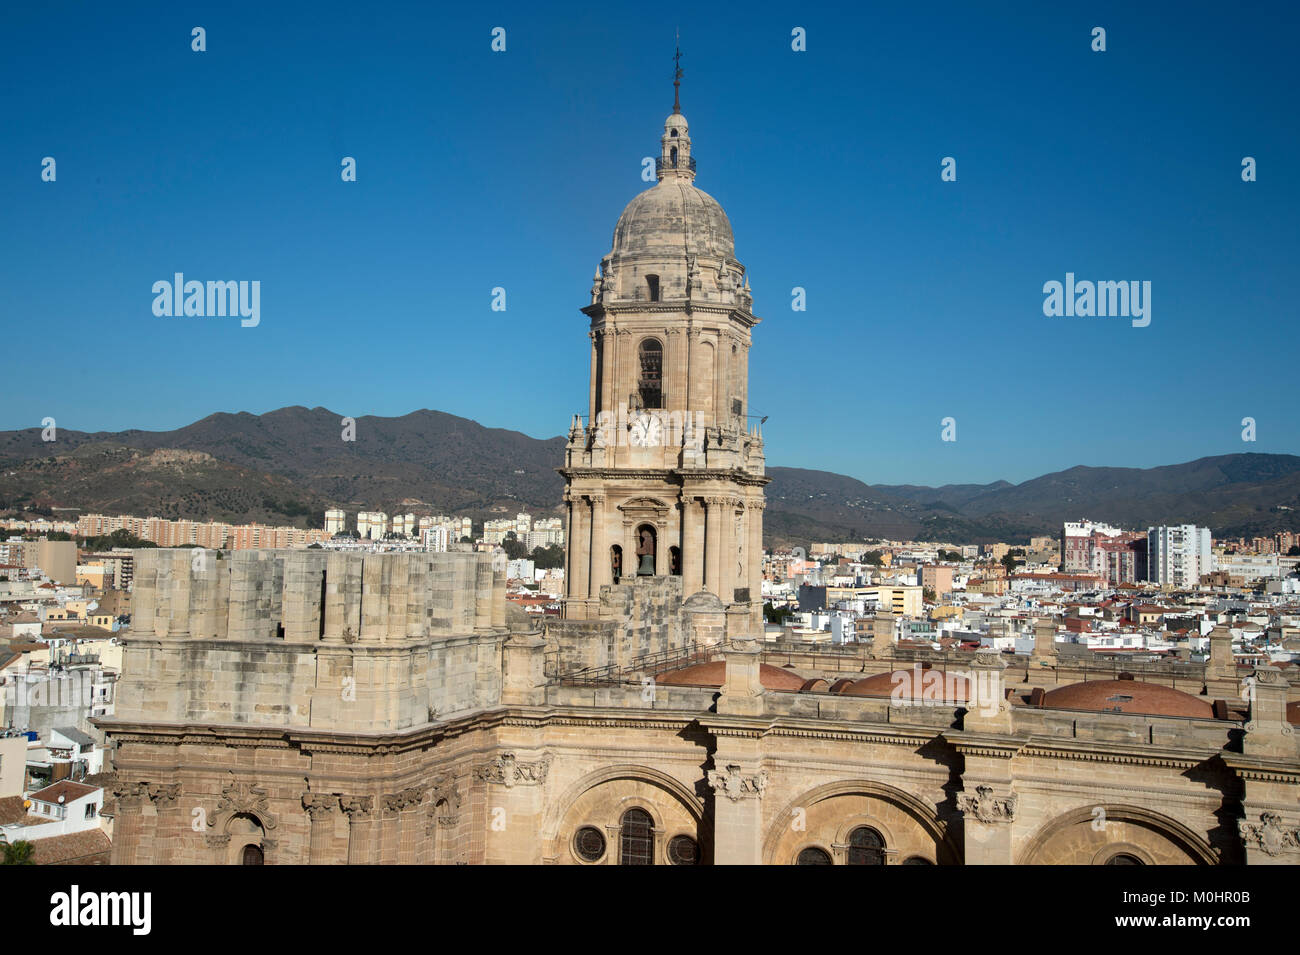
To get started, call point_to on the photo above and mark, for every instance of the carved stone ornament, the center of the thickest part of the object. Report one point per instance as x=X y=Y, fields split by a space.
x=986 y=807
x=215 y=840
x=736 y=785
x=1269 y=834
x=319 y=804
x=506 y=770
x=245 y=797
x=396 y=802
x=163 y=795
x=356 y=804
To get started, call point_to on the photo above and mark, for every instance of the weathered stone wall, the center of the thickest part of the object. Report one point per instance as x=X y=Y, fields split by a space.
x=353 y=642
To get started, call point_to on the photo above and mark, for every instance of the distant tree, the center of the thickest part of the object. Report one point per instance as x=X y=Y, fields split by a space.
x=1009 y=561
x=950 y=555
x=314 y=547
x=1294 y=551
x=16 y=853
x=467 y=540
x=928 y=594
x=515 y=549
x=59 y=536
x=549 y=557
x=776 y=615
x=874 y=558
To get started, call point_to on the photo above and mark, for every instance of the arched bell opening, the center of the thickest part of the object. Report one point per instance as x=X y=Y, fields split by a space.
x=645 y=550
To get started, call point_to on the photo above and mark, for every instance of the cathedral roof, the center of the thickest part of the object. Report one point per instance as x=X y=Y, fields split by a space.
x=715 y=674
x=675 y=217
x=921 y=683
x=1127 y=696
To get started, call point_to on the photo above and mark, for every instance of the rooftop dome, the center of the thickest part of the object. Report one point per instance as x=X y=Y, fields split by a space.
x=918 y=683
x=1127 y=696
x=675 y=217
x=715 y=674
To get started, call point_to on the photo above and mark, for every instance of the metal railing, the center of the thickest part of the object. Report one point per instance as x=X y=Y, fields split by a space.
x=651 y=663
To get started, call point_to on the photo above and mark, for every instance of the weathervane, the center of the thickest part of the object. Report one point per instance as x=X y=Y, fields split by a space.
x=677 y=75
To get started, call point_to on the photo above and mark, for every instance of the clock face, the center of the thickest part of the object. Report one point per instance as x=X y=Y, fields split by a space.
x=646 y=431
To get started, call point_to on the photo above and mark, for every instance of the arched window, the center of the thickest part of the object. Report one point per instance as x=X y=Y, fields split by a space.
x=1124 y=858
x=672 y=133
x=637 y=838
x=253 y=855
x=813 y=856
x=917 y=860
x=645 y=551
x=675 y=561
x=650 y=385
x=652 y=283
x=616 y=562
x=866 y=847
x=674 y=155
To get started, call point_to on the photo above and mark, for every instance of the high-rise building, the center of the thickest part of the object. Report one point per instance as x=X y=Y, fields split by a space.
x=664 y=477
x=1178 y=555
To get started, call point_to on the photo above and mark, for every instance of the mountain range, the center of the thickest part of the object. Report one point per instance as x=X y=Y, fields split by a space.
x=287 y=466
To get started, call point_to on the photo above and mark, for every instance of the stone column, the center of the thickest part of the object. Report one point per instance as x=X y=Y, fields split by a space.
x=600 y=569
x=580 y=550
x=128 y=823
x=988 y=802
x=1270 y=827
x=755 y=515
x=570 y=544
x=692 y=547
x=170 y=826
x=361 y=828
x=320 y=809
x=591 y=399
x=737 y=778
x=1044 y=643
x=713 y=537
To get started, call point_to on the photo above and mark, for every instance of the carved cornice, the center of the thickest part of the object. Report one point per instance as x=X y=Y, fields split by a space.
x=506 y=770
x=987 y=806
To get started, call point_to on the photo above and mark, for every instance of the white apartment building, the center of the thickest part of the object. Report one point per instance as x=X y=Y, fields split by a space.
x=1177 y=555
x=335 y=520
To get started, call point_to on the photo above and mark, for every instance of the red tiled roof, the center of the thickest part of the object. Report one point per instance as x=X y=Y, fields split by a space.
x=65 y=788
x=77 y=848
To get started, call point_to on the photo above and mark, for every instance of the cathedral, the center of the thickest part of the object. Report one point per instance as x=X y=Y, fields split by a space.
x=342 y=708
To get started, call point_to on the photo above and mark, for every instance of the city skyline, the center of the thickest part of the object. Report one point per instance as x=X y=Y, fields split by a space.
x=1123 y=165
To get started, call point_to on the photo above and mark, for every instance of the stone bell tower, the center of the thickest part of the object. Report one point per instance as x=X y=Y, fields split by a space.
x=664 y=475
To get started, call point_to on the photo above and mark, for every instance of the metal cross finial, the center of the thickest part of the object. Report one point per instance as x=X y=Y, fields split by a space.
x=677 y=75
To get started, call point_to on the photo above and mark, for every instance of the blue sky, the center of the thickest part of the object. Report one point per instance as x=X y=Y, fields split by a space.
x=479 y=169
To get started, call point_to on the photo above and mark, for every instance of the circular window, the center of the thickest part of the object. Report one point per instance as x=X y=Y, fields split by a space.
x=589 y=843
x=917 y=860
x=683 y=850
x=1124 y=858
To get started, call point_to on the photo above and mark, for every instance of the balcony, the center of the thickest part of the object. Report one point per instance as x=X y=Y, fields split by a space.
x=660 y=165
